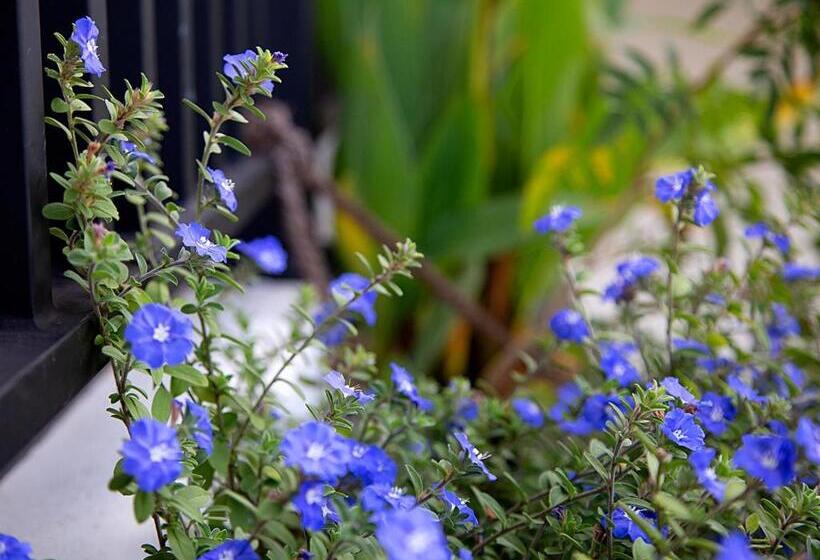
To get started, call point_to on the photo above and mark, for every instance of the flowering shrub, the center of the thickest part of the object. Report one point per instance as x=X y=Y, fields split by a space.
x=690 y=430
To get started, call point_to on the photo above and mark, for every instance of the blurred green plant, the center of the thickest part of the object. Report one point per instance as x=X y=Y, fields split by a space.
x=464 y=121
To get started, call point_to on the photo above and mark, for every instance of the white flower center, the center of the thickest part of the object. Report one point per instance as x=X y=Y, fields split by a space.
x=161 y=453
x=226 y=555
x=710 y=474
x=395 y=493
x=162 y=332
x=555 y=211
x=315 y=451
x=91 y=45
x=204 y=242
x=678 y=434
x=619 y=370
x=326 y=511
x=717 y=414
x=768 y=460
x=573 y=318
x=359 y=451
x=314 y=496
x=228 y=185
x=417 y=542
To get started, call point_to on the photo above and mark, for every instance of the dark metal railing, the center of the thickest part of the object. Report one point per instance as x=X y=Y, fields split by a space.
x=46 y=333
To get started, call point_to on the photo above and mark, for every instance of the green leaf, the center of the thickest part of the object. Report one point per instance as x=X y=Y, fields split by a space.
x=234 y=143
x=415 y=479
x=596 y=465
x=144 y=503
x=197 y=109
x=181 y=543
x=161 y=407
x=642 y=550
x=190 y=500
x=672 y=506
x=59 y=106
x=188 y=374
x=114 y=353
x=57 y=211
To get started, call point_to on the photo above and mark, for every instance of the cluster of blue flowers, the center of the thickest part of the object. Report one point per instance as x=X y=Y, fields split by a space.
x=404 y=526
x=691 y=422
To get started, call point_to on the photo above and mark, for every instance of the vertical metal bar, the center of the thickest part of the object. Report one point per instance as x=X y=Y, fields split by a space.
x=188 y=89
x=25 y=247
x=148 y=39
x=242 y=16
x=216 y=32
x=98 y=11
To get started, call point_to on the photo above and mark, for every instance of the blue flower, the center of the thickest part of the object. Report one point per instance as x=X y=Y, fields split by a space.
x=238 y=66
x=569 y=325
x=413 y=534
x=767 y=457
x=680 y=428
x=197 y=237
x=673 y=387
x=231 y=550
x=13 y=549
x=761 y=230
x=712 y=364
x=741 y=382
x=794 y=272
x=403 y=382
x=529 y=412
x=315 y=509
x=714 y=411
x=706 y=209
x=691 y=345
x=130 y=149
x=781 y=327
x=474 y=455
x=225 y=188
x=85 y=35
x=594 y=415
x=371 y=464
x=623 y=526
x=794 y=374
x=331 y=333
x=160 y=335
x=715 y=299
x=566 y=396
x=203 y=431
x=378 y=498
x=735 y=546
x=629 y=273
x=558 y=220
x=464 y=554
x=467 y=409
x=701 y=461
x=153 y=455
x=674 y=186
x=317 y=450
x=279 y=57
x=808 y=436
x=466 y=515
x=345 y=289
x=337 y=381
x=616 y=364
x=267 y=252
